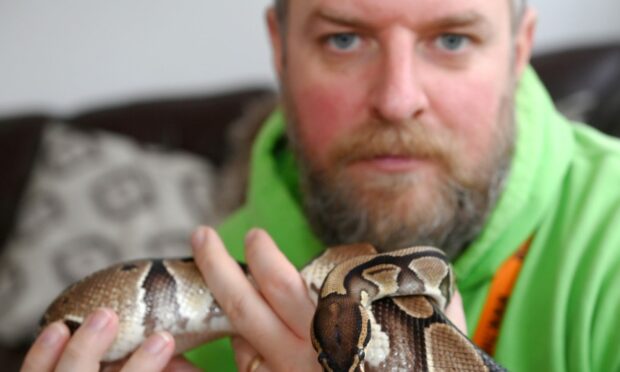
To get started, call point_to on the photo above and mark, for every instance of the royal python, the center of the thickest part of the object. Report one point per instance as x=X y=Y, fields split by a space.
x=375 y=312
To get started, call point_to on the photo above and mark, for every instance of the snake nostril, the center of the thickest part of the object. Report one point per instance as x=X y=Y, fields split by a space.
x=129 y=267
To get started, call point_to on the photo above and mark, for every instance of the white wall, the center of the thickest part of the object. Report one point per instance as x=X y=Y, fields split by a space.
x=63 y=55
x=574 y=22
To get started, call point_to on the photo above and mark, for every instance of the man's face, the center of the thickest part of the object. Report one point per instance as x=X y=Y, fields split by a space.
x=400 y=113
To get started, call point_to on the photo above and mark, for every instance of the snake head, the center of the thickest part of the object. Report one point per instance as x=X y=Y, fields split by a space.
x=340 y=334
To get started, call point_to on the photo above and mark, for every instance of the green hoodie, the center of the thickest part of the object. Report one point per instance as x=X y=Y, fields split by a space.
x=563 y=189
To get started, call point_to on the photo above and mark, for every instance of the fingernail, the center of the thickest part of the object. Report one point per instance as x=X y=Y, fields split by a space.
x=98 y=320
x=157 y=342
x=200 y=236
x=52 y=335
x=251 y=236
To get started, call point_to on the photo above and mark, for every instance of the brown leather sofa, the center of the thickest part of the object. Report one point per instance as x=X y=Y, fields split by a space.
x=584 y=82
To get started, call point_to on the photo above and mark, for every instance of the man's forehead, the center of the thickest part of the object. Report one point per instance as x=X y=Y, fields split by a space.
x=405 y=11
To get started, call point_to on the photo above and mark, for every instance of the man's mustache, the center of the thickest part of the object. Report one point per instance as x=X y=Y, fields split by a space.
x=377 y=139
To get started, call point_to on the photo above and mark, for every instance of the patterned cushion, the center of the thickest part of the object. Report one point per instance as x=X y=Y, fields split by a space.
x=94 y=199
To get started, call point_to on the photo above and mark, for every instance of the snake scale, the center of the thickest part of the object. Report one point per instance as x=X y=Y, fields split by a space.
x=375 y=312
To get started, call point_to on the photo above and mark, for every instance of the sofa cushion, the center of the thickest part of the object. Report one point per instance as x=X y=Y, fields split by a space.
x=581 y=81
x=198 y=124
x=95 y=198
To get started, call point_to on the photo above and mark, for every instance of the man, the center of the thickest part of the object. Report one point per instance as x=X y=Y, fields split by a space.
x=402 y=130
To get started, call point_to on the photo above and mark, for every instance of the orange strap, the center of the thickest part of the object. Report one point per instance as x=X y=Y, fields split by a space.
x=501 y=288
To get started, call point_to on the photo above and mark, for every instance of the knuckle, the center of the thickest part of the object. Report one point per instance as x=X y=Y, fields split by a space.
x=204 y=260
x=111 y=367
x=74 y=351
x=250 y=251
x=236 y=307
x=207 y=265
x=289 y=365
x=31 y=364
x=280 y=285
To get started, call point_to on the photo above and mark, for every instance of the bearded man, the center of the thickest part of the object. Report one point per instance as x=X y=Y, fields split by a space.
x=404 y=123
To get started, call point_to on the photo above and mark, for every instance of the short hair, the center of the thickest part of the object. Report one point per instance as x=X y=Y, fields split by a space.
x=518 y=9
x=281 y=7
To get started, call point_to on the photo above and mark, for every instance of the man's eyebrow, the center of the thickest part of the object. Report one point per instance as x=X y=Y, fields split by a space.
x=465 y=19
x=339 y=19
x=470 y=18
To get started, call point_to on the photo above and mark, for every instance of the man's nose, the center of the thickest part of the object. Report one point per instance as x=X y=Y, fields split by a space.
x=399 y=94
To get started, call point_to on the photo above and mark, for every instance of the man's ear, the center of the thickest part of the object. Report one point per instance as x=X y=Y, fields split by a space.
x=524 y=40
x=276 y=38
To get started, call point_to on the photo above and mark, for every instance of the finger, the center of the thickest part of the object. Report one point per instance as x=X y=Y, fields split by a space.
x=90 y=342
x=279 y=282
x=153 y=355
x=243 y=305
x=246 y=357
x=176 y=364
x=455 y=312
x=180 y=364
x=47 y=348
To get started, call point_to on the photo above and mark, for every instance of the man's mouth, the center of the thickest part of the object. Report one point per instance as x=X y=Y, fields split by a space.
x=391 y=163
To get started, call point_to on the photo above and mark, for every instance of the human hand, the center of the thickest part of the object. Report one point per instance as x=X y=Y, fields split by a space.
x=273 y=316
x=56 y=350
x=455 y=312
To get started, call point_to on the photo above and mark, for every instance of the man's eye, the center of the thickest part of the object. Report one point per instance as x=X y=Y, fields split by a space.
x=343 y=42
x=452 y=42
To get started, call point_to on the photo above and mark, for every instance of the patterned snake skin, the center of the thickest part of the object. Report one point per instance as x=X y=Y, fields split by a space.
x=375 y=312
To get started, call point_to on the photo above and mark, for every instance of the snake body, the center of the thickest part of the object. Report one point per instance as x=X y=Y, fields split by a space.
x=375 y=312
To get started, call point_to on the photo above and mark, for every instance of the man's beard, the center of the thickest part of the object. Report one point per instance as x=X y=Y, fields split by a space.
x=446 y=209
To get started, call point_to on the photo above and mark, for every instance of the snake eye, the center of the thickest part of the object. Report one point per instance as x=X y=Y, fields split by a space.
x=361 y=354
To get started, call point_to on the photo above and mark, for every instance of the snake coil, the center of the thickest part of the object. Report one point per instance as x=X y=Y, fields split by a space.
x=375 y=312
